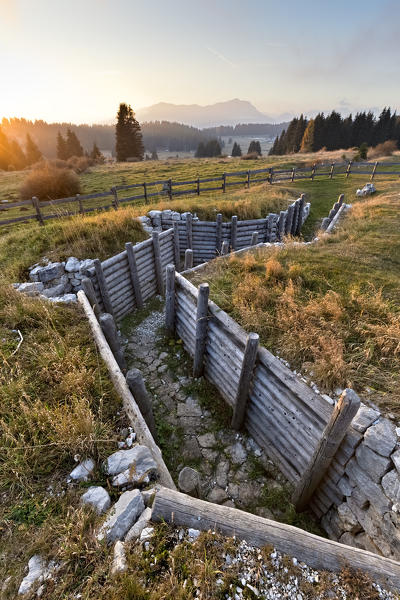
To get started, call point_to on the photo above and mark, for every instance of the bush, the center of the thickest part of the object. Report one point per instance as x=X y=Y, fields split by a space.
x=49 y=183
x=250 y=156
x=385 y=149
x=80 y=164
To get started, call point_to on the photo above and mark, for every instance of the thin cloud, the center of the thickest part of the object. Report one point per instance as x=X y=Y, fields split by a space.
x=221 y=57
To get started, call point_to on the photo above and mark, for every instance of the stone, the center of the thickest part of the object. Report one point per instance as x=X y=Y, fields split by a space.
x=83 y=471
x=142 y=522
x=98 y=498
x=189 y=481
x=140 y=469
x=72 y=265
x=33 y=274
x=362 y=540
x=364 y=418
x=65 y=299
x=58 y=290
x=210 y=455
x=221 y=473
x=374 y=464
x=381 y=437
x=123 y=459
x=248 y=492
x=391 y=486
x=207 y=440
x=37 y=569
x=372 y=490
x=119 y=564
x=193 y=534
x=122 y=516
x=147 y=534
x=50 y=272
x=359 y=497
x=190 y=408
x=217 y=496
x=191 y=448
x=75 y=282
x=237 y=453
x=86 y=266
x=396 y=460
x=347 y=519
x=31 y=288
x=344 y=486
x=263 y=511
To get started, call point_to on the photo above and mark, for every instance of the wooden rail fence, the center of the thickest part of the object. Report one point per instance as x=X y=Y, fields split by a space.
x=82 y=204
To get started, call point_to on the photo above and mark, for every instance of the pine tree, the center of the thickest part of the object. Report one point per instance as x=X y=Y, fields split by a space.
x=5 y=154
x=17 y=158
x=274 y=148
x=61 y=147
x=96 y=154
x=73 y=145
x=236 y=150
x=154 y=155
x=200 y=152
x=307 y=143
x=32 y=152
x=128 y=135
x=254 y=147
x=280 y=147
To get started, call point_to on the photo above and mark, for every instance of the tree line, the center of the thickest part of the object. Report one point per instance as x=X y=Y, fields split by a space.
x=334 y=132
x=14 y=157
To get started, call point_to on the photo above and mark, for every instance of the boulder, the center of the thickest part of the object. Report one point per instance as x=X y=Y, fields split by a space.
x=374 y=464
x=65 y=299
x=122 y=516
x=50 y=272
x=346 y=518
x=98 y=498
x=133 y=466
x=83 y=471
x=391 y=486
x=381 y=437
x=31 y=288
x=396 y=460
x=85 y=267
x=142 y=522
x=72 y=265
x=364 y=418
x=207 y=440
x=217 y=495
x=237 y=453
x=119 y=564
x=62 y=287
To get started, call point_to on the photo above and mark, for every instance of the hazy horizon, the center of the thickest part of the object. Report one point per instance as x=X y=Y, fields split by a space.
x=76 y=62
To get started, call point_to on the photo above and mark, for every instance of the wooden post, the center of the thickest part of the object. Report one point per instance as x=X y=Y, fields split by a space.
x=103 y=287
x=170 y=300
x=233 y=232
x=88 y=288
x=198 y=186
x=135 y=382
x=170 y=188
x=189 y=230
x=157 y=262
x=293 y=171
x=36 y=206
x=177 y=250
x=348 y=170
x=224 y=182
x=115 y=198
x=271 y=174
x=188 y=259
x=254 y=238
x=374 y=170
x=313 y=171
x=145 y=191
x=246 y=374
x=248 y=178
x=133 y=270
x=341 y=199
x=80 y=203
x=110 y=331
x=201 y=329
x=225 y=248
x=218 y=232
x=332 y=168
x=331 y=438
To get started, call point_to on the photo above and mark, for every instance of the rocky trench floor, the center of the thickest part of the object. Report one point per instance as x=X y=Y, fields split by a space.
x=193 y=427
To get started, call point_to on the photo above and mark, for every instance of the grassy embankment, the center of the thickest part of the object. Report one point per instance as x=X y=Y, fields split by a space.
x=330 y=309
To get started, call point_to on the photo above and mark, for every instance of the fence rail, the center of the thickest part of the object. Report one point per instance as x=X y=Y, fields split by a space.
x=83 y=204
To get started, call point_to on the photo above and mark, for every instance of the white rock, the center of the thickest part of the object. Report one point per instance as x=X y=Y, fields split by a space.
x=193 y=534
x=132 y=466
x=119 y=561
x=97 y=497
x=122 y=516
x=83 y=471
x=37 y=568
x=65 y=299
x=147 y=534
x=72 y=265
x=142 y=522
x=31 y=288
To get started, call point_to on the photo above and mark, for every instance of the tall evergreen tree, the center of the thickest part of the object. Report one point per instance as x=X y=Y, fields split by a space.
x=73 y=145
x=129 y=143
x=307 y=142
x=236 y=150
x=274 y=147
x=17 y=158
x=32 y=152
x=200 y=152
x=61 y=147
x=95 y=153
x=254 y=147
x=319 y=133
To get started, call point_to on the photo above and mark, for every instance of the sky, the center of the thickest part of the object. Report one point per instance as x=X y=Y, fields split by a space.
x=76 y=60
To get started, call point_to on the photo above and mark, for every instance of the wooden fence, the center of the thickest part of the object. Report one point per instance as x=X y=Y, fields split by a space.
x=82 y=204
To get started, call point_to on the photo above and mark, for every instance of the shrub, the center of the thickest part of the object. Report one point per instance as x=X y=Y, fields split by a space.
x=385 y=149
x=80 y=164
x=49 y=182
x=250 y=156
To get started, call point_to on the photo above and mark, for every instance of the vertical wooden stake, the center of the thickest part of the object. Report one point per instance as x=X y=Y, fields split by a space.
x=177 y=251
x=234 y=232
x=374 y=171
x=271 y=175
x=36 y=206
x=224 y=182
x=218 y=233
x=88 y=288
x=332 y=168
x=189 y=230
x=246 y=374
x=254 y=238
x=136 y=384
x=170 y=188
x=105 y=296
x=248 y=178
x=348 y=170
x=110 y=331
x=201 y=329
x=198 y=186
x=188 y=259
x=133 y=270
x=145 y=191
x=313 y=172
x=170 y=300
x=225 y=248
x=115 y=198
x=292 y=176
x=333 y=434
x=157 y=262
x=80 y=203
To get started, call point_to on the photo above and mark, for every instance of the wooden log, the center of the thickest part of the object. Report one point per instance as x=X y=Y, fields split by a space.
x=188 y=259
x=182 y=510
x=139 y=425
x=233 y=232
x=189 y=230
x=201 y=329
x=177 y=251
x=331 y=439
x=36 y=206
x=87 y=286
x=103 y=287
x=110 y=331
x=218 y=241
x=133 y=271
x=135 y=381
x=170 y=300
x=246 y=375
x=157 y=262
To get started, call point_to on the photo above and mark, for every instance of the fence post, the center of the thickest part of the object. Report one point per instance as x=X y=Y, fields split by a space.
x=254 y=238
x=105 y=296
x=218 y=232
x=198 y=186
x=225 y=248
x=188 y=259
x=292 y=177
x=331 y=173
x=35 y=203
x=135 y=382
x=145 y=191
x=246 y=373
x=271 y=174
x=80 y=203
x=233 y=232
x=201 y=329
x=373 y=171
x=331 y=438
x=157 y=261
x=348 y=170
x=115 y=202
x=88 y=288
x=170 y=300
x=110 y=331
x=189 y=230
x=170 y=188
x=133 y=270
x=224 y=182
x=313 y=172
x=177 y=251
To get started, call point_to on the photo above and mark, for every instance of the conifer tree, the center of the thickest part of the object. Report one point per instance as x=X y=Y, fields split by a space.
x=95 y=153
x=61 y=147
x=129 y=143
x=73 y=145
x=32 y=152
x=154 y=155
x=255 y=147
x=200 y=152
x=236 y=150
x=17 y=156
x=274 y=147
x=307 y=143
